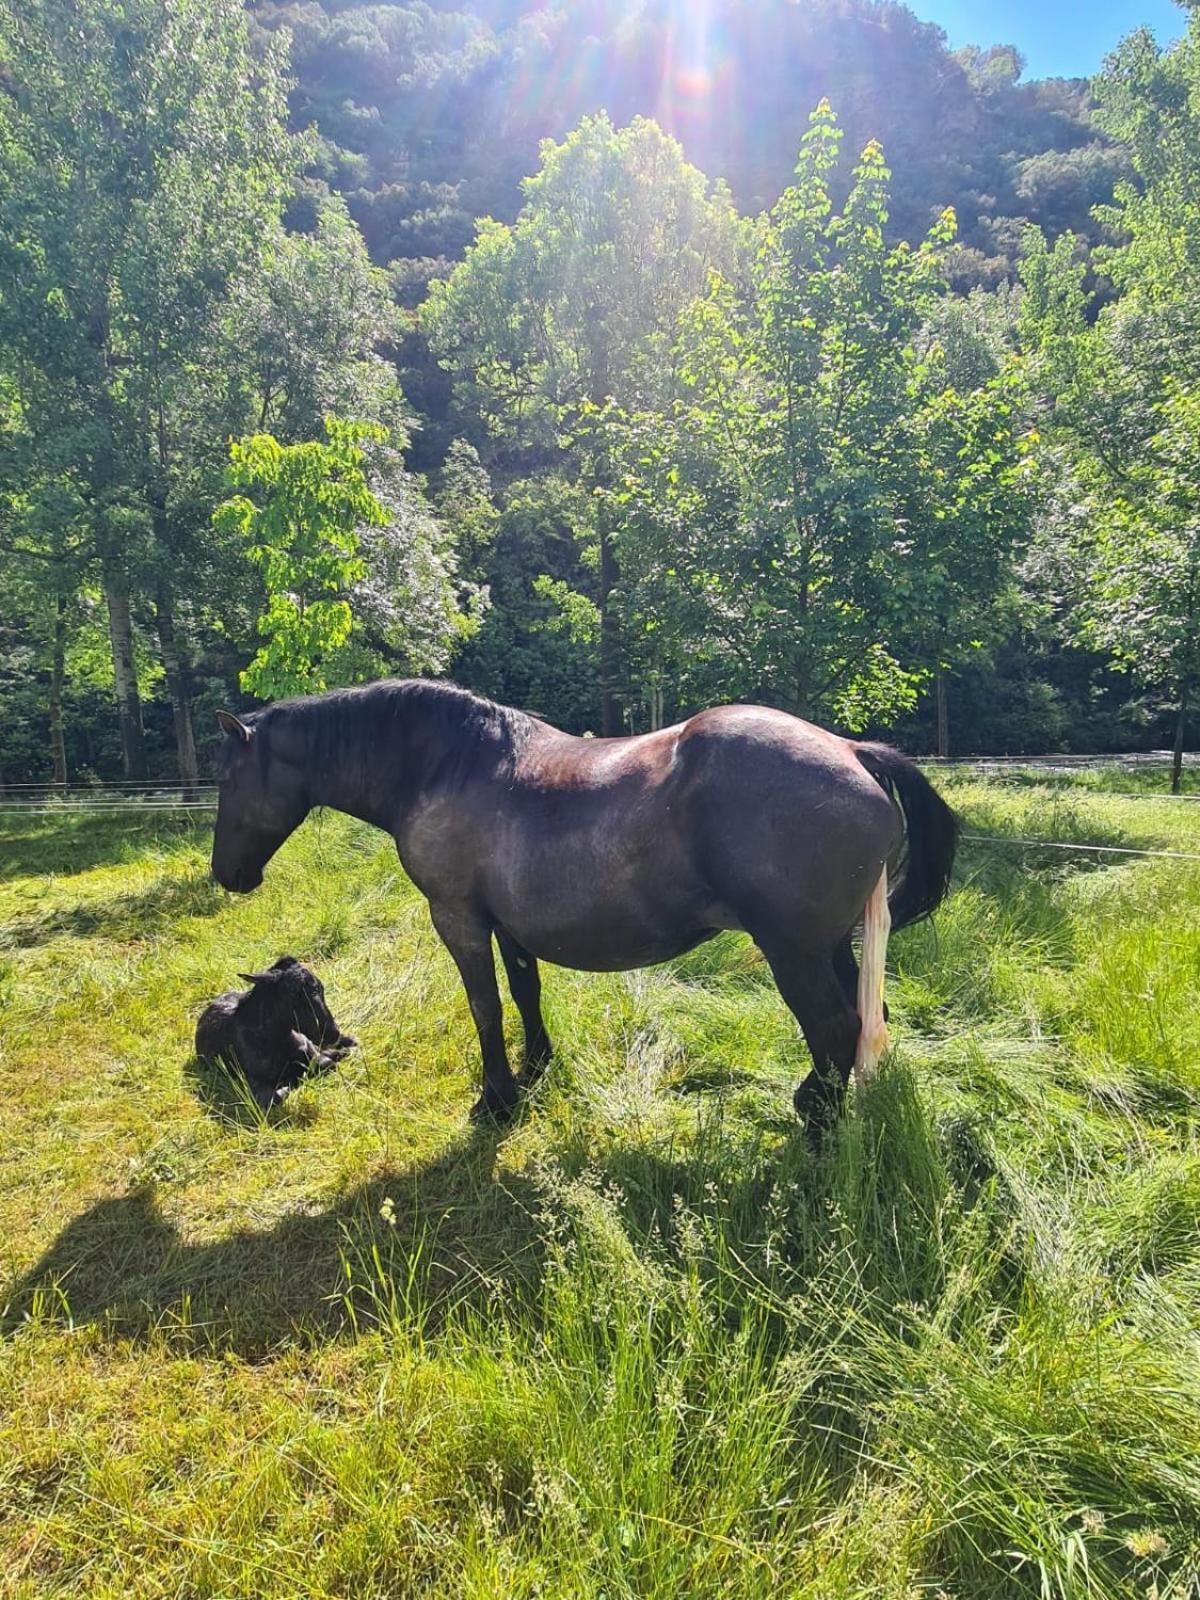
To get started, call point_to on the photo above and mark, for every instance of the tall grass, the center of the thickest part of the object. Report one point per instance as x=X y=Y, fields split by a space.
x=644 y=1343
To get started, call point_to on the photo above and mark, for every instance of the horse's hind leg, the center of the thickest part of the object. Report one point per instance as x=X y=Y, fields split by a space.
x=815 y=989
x=846 y=967
x=525 y=982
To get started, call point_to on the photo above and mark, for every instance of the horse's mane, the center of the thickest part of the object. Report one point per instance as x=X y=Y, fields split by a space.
x=370 y=726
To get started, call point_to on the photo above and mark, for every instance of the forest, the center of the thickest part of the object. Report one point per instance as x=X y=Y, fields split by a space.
x=612 y=359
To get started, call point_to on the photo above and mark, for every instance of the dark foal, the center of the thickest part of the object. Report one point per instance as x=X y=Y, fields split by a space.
x=603 y=854
x=274 y=1032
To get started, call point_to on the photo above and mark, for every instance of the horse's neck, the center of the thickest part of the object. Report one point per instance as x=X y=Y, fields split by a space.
x=347 y=786
x=375 y=777
x=355 y=779
x=365 y=802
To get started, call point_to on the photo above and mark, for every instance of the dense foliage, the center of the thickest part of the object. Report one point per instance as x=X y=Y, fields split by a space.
x=900 y=437
x=813 y=521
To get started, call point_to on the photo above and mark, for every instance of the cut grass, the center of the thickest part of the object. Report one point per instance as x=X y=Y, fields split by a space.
x=643 y=1343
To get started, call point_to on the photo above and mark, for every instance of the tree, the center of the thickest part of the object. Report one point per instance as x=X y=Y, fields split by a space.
x=804 y=504
x=1143 y=601
x=575 y=306
x=305 y=332
x=144 y=157
x=350 y=575
x=970 y=498
x=524 y=653
x=1122 y=394
x=1120 y=537
x=43 y=539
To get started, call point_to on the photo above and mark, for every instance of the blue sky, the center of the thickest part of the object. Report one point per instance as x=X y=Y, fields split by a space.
x=1058 y=38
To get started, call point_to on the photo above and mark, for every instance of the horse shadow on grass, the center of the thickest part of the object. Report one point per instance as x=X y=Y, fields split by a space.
x=463 y=1233
x=449 y=1233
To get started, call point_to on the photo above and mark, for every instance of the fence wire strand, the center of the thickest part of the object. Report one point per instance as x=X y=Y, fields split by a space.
x=127 y=798
x=1095 y=849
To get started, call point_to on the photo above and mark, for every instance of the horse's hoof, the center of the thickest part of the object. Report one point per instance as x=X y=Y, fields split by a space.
x=816 y=1111
x=808 y=1102
x=494 y=1112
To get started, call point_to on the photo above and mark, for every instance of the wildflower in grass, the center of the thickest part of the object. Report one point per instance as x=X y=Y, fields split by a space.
x=1147 y=1544
x=1092 y=1521
x=387 y=1211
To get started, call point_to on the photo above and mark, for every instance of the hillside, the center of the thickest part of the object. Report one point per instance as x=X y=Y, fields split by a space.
x=431 y=115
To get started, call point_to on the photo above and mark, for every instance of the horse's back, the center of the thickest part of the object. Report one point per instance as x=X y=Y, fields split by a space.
x=614 y=853
x=765 y=729
x=727 y=770
x=217 y=1023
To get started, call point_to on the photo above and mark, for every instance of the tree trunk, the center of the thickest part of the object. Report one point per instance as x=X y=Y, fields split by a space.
x=610 y=639
x=175 y=666
x=58 y=668
x=654 y=701
x=1180 y=730
x=129 y=705
x=610 y=644
x=943 y=714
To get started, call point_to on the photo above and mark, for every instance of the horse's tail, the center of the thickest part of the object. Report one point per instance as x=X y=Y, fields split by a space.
x=930 y=836
x=930 y=828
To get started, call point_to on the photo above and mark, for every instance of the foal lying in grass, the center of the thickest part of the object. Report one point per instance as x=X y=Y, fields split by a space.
x=274 y=1032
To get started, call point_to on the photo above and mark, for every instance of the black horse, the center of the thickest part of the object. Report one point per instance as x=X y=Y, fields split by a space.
x=275 y=1032
x=604 y=854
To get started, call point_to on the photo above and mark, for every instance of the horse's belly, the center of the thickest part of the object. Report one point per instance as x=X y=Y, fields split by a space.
x=605 y=950
x=606 y=920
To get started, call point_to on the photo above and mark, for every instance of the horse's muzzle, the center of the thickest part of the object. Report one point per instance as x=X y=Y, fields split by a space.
x=241 y=882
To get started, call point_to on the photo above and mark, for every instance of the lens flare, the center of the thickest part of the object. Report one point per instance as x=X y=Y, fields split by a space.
x=694 y=71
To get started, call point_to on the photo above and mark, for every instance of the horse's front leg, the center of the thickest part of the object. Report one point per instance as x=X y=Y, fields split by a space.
x=310 y=1056
x=525 y=982
x=468 y=938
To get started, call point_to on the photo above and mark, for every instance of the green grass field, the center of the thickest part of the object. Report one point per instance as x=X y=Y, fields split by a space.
x=642 y=1343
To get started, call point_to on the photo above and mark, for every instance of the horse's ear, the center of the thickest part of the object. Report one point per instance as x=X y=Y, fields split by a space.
x=235 y=726
x=259 y=977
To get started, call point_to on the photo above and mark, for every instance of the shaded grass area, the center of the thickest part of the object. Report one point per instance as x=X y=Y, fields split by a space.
x=643 y=1343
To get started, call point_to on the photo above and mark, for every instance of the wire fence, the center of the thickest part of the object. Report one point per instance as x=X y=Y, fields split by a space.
x=1134 y=760
x=173 y=797
x=174 y=792
x=1074 y=848
x=58 y=803
x=167 y=794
